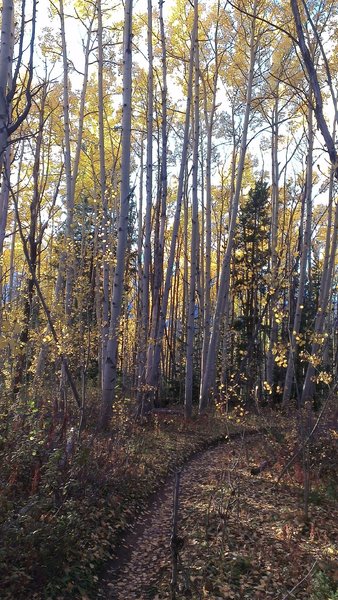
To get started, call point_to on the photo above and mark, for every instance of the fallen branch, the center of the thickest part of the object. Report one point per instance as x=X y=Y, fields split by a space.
x=290 y=593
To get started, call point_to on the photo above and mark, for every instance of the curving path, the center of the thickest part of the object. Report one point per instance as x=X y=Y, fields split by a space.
x=145 y=558
x=244 y=537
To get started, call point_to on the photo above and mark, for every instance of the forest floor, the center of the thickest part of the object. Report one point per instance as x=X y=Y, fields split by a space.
x=243 y=536
x=66 y=502
x=65 y=499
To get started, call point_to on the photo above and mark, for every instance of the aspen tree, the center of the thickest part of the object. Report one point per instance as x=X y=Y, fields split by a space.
x=33 y=243
x=209 y=374
x=306 y=241
x=8 y=89
x=159 y=238
x=318 y=98
x=154 y=348
x=68 y=258
x=110 y=366
x=138 y=332
x=273 y=334
x=14 y=227
x=194 y=229
x=74 y=178
x=148 y=214
x=103 y=198
x=324 y=297
x=6 y=59
x=209 y=118
x=308 y=387
x=6 y=63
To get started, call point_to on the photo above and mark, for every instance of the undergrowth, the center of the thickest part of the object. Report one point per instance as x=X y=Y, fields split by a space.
x=64 y=500
x=323 y=587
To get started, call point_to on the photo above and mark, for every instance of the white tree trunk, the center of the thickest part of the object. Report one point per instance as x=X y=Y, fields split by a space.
x=110 y=366
x=194 y=231
x=68 y=256
x=209 y=123
x=274 y=238
x=6 y=60
x=154 y=348
x=104 y=203
x=290 y=371
x=159 y=240
x=149 y=201
x=209 y=375
x=324 y=299
x=308 y=388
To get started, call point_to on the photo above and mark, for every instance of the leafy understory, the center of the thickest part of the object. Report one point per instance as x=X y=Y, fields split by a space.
x=62 y=511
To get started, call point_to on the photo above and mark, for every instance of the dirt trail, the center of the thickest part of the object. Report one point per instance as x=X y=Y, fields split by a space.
x=145 y=552
x=244 y=537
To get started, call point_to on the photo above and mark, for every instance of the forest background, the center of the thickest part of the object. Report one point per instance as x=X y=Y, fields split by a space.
x=175 y=247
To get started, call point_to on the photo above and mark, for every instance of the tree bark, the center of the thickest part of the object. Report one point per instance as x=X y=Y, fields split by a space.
x=308 y=387
x=110 y=366
x=154 y=348
x=6 y=61
x=194 y=231
x=290 y=371
x=313 y=77
x=68 y=256
x=274 y=239
x=142 y=393
x=209 y=375
x=209 y=123
x=103 y=198
x=159 y=239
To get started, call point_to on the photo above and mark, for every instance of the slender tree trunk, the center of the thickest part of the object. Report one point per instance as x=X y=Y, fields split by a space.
x=318 y=105
x=138 y=333
x=33 y=244
x=308 y=388
x=274 y=238
x=6 y=60
x=110 y=366
x=194 y=232
x=149 y=201
x=209 y=122
x=290 y=371
x=159 y=240
x=68 y=257
x=154 y=348
x=103 y=198
x=78 y=147
x=323 y=302
x=209 y=375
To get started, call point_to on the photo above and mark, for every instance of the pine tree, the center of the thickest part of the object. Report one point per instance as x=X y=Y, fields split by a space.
x=250 y=267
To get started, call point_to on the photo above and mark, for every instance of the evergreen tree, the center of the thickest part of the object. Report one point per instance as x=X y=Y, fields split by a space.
x=250 y=267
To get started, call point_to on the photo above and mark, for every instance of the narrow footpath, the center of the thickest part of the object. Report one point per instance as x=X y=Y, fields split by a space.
x=145 y=556
x=243 y=538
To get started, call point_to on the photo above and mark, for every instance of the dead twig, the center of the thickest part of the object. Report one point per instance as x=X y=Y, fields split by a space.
x=290 y=592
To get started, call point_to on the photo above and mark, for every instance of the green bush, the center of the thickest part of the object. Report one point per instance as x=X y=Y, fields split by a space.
x=323 y=588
